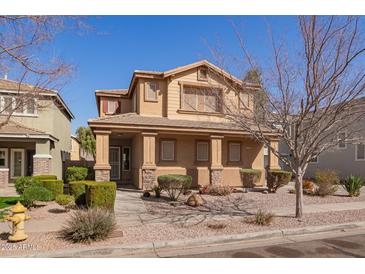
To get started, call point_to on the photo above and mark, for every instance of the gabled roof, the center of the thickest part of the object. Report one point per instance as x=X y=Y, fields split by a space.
x=168 y=73
x=111 y=92
x=14 y=86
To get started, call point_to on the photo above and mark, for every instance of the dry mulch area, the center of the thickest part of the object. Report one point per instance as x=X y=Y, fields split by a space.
x=41 y=242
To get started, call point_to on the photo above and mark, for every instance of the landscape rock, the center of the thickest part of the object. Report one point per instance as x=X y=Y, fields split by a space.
x=195 y=200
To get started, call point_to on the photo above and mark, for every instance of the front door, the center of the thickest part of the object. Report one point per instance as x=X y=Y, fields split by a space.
x=17 y=163
x=114 y=161
x=30 y=154
x=126 y=165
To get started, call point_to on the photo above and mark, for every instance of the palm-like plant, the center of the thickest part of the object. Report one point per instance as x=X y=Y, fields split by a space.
x=353 y=185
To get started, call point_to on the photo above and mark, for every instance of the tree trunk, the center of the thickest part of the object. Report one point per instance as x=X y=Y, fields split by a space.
x=299 y=194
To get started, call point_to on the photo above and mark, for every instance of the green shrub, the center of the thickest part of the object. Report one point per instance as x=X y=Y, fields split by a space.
x=277 y=178
x=250 y=177
x=353 y=185
x=157 y=190
x=55 y=186
x=326 y=181
x=21 y=183
x=67 y=201
x=36 y=193
x=261 y=218
x=174 y=184
x=89 y=225
x=75 y=173
x=77 y=190
x=45 y=177
x=100 y=194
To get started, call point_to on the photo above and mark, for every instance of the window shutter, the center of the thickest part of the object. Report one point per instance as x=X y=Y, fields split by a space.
x=117 y=111
x=105 y=106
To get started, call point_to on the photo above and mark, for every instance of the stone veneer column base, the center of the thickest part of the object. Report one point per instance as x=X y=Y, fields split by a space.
x=4 y=177
x=148 y=178
x=216 y=176
x=102 y=175
x=42 y=164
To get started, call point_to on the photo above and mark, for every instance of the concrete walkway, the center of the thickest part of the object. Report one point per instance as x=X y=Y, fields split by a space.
x=8 y=191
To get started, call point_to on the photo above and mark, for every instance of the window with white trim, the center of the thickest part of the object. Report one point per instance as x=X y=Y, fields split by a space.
x=167 y=150
x=202 y=151
x=201 y=99
x=342 y=140
x=3 y=157
x=360 y=152
x=234 y=152
x=150 y=92
x=112 y=106
x=18 y=105
x=244 y=100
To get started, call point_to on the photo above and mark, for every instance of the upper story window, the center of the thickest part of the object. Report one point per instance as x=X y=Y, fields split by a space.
x=201 y=99
x=202 y=74
x=342 y=140
x=150 y=91
x=244 y=100
x=112 y=107
x=18 y=105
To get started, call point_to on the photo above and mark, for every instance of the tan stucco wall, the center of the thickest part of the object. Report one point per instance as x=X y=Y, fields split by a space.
x=148 y=107
x=75 y=150
x=52 y=121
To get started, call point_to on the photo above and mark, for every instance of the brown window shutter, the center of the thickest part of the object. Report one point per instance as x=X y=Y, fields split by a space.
x=105 y=106
x=117 y=111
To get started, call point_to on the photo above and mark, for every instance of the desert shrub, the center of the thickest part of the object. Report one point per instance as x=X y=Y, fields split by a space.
x=277 y=178
x=77 y=190
x=216 y=225
x=216 y=190
x=174 y=184
x=36 y=193
x=326 y=181
x=21 y=183
x=261 y=218
x=55 y=186
x=100 y=194
x=157 y=190
x=90 y=225
x=353 y=185
x=45 y=177
x=67 y=201
x=75 y=173
x=250 y=177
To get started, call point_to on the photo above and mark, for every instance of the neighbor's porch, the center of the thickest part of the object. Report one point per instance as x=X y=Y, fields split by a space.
x=132 y=157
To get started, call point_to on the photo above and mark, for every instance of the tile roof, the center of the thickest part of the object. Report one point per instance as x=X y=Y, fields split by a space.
x=16 y=86
x=135 y=119
x=112 y=91
x=14 y=128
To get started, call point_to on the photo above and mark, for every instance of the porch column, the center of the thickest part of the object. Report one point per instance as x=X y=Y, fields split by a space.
x=42 y=160
x=102 y=167
x=149 y=160
x=216 y=167
x=273 y=159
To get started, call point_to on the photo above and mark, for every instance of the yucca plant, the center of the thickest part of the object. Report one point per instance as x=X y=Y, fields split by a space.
x=353 y=185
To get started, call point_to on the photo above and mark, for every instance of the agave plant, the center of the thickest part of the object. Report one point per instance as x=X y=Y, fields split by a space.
x=352 y=185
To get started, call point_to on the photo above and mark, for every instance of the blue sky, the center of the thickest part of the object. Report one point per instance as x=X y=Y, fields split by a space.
x=106 y=57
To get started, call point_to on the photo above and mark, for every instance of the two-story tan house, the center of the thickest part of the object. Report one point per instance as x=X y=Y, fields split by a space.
x=36 y=139
x=173 y=122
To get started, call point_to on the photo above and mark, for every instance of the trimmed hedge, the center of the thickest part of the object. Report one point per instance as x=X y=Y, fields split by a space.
x=174 y=184
x=100 y=194
x=64 y=199
x=55 y=186
x=94 y=194
x=75 y=173
x=36 y=193
x=21 y=183
x=45 y=177
x=77 y=189
x=277 y=178
x=250 y=177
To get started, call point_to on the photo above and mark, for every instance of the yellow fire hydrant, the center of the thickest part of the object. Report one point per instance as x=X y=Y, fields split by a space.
x=18 y=218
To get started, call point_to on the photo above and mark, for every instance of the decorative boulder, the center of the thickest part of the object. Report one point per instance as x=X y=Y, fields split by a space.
x=195 y=200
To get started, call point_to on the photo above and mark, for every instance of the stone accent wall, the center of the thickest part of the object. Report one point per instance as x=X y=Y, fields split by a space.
x=4 y=177
x=148 y=178
x=102 y=175
x=216 y=176
x=41 y=165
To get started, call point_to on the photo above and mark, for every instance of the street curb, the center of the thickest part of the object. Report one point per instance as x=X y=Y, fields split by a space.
x=125 y=250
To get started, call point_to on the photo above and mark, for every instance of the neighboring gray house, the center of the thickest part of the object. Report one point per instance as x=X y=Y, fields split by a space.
x=38 y=137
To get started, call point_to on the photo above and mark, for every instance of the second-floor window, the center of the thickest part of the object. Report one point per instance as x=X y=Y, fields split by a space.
x=342 y=140
x=151 y=89
x=201 y=99
x=17 y=105
x=112 y=107
x=244 y=100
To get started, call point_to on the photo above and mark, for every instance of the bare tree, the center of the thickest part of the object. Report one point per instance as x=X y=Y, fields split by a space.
x=311 y=93
x=26 y=55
